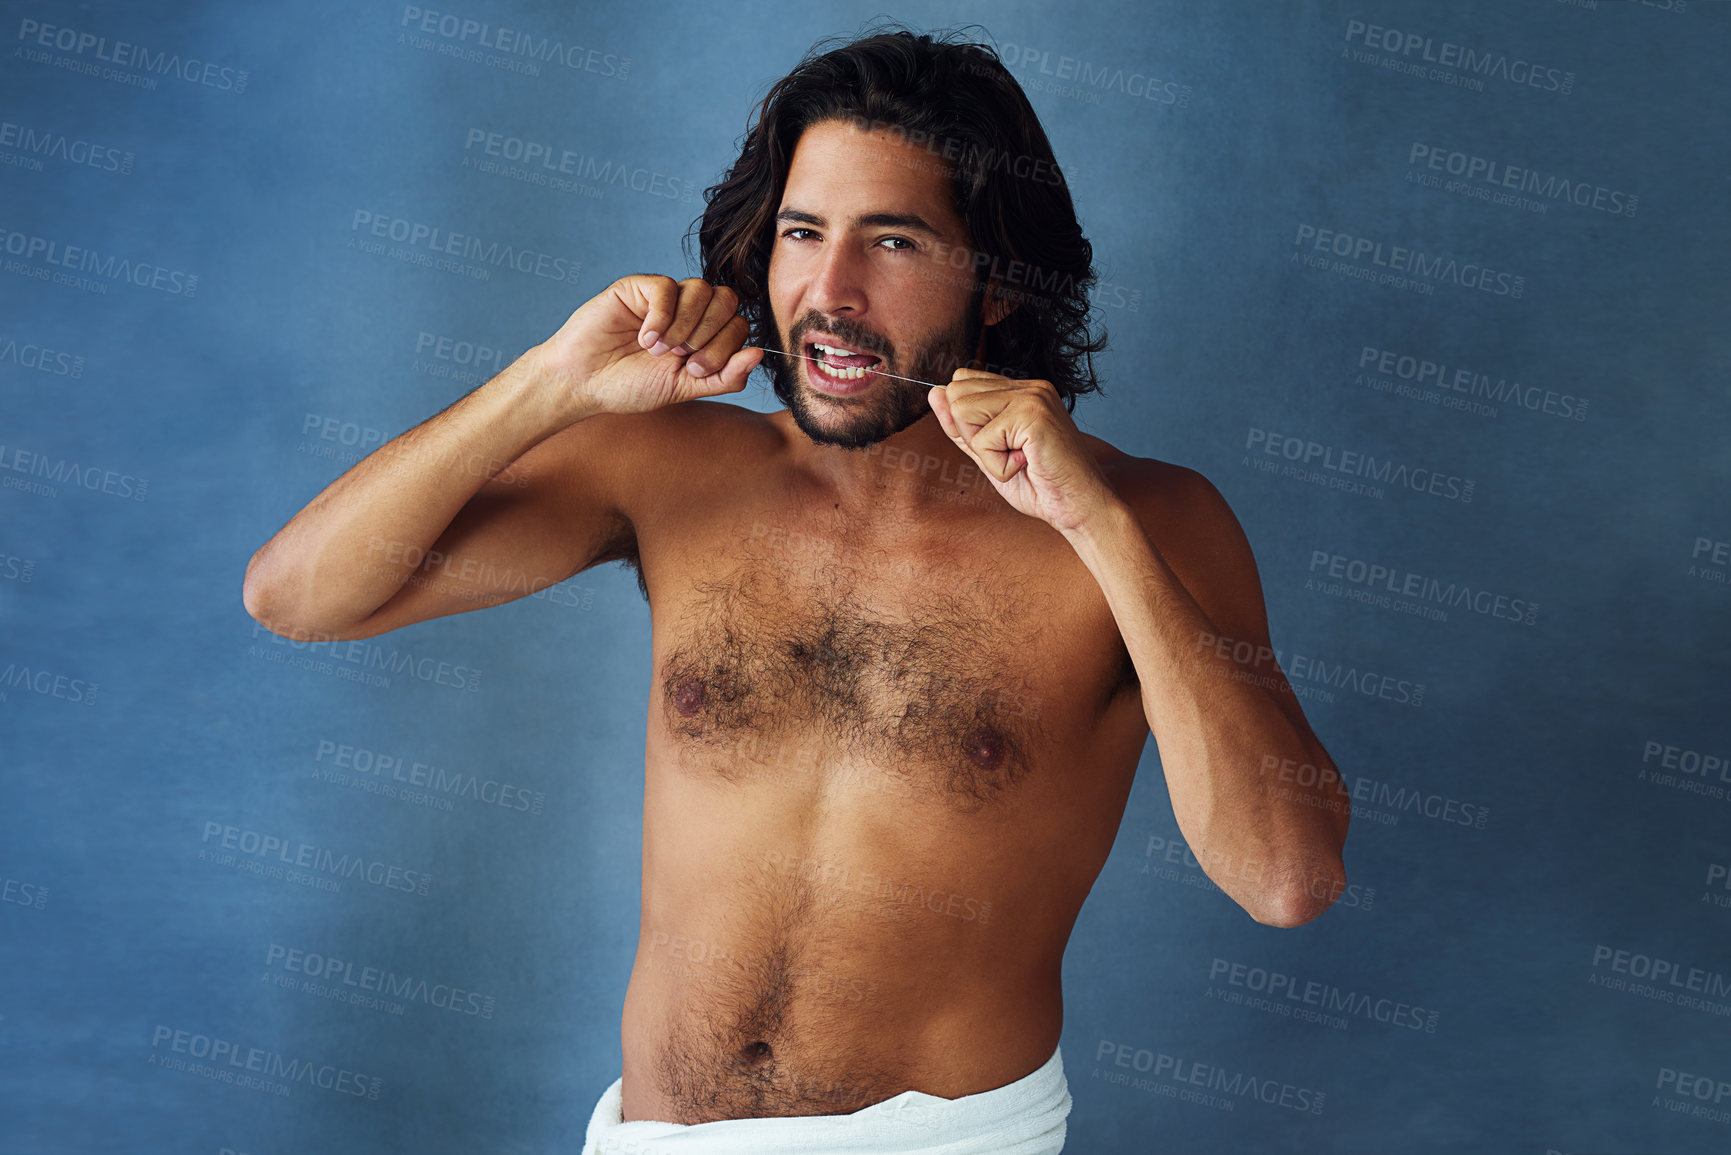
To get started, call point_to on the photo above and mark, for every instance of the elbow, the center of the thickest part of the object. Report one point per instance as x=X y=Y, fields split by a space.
x=252 y=597
x=1301 y=896
x=256 y=595
x=252 y=592
x=263 y=601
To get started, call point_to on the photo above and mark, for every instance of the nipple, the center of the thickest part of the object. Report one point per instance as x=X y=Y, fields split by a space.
x=688 y=695
x=985 y=747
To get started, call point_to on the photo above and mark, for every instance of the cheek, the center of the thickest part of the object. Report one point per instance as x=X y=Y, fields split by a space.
x=939 y=288
x=778 y=288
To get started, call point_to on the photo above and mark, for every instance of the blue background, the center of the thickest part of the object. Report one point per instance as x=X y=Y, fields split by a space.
x=211 y=416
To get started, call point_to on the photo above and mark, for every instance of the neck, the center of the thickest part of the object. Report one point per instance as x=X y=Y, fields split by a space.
x=905 y=474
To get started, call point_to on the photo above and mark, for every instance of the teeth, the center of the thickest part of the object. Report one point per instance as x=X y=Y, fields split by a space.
x=840 y=372
x=844 y=374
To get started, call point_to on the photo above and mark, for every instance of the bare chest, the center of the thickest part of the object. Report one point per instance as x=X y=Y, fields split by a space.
x=927 y=680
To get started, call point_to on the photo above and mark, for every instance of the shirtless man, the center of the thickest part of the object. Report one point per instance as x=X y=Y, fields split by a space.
x=908 y=640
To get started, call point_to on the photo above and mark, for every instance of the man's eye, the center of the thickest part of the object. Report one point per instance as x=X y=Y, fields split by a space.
x=790 y=232
x=900 y=241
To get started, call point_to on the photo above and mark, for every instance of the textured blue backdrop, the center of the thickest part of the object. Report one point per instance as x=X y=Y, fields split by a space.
x=1481 y=243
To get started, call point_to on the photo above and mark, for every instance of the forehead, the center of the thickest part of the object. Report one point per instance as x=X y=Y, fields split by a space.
x=839 y=170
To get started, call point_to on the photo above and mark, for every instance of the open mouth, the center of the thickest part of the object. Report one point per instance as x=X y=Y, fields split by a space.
x=839 y=363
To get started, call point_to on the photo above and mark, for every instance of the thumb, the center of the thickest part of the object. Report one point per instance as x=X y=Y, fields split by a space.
x=939 y=399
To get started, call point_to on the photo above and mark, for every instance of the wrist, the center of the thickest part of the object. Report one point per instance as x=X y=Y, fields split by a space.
x=542 y=383
x=1107 y=522
x=1105 y=517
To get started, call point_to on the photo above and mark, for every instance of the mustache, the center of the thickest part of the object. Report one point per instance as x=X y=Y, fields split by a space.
x=841 y=329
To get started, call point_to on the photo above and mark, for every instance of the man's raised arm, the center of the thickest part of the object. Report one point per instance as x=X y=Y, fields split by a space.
x=510 y=489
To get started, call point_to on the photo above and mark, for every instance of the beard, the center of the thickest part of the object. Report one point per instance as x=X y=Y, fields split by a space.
x=890 y=406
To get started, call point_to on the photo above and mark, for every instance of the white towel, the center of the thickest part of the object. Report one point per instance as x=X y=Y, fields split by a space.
x=1021 y=1118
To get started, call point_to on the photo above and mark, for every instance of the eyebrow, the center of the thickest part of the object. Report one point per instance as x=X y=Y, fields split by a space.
x=910 y=221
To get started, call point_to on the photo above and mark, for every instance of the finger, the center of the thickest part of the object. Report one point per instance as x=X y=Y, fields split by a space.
x=977 y=383
x=1000 y=440
x=973 y=409
x=964 y=373
x=939 y=400
x=718 y=336
x=946 y=416
x=739 y=366
x=657 y=298
x=695 y=294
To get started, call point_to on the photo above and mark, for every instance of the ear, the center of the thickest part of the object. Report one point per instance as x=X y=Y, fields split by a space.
x=997 y=304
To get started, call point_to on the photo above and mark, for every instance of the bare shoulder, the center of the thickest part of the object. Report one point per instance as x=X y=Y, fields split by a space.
x=1189 y=521
x=642 y=461
x=1166 y=497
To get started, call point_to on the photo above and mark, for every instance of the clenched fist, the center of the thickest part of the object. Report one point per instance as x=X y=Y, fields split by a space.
x=647 y=341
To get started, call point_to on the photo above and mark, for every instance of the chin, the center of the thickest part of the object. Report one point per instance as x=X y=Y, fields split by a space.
x=855 y=423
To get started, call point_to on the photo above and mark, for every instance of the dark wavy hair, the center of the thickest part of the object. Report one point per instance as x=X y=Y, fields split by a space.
x=956 y=100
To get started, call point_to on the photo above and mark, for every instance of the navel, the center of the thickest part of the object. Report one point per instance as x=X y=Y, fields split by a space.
x=986 y=747
x=688 y=695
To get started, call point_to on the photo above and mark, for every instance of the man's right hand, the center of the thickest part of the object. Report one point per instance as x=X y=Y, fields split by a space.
x=647 y=341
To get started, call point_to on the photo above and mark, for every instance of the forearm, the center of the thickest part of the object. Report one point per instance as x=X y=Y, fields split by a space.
x=1269 y=841
x=325 y=569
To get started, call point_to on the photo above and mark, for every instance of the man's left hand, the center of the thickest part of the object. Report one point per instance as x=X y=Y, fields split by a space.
x=1026 y=443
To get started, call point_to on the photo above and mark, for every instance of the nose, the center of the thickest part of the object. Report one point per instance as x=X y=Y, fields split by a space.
x=838 y=285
